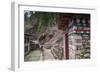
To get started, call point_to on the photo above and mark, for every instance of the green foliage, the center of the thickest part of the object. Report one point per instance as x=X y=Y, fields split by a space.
x=41 y=19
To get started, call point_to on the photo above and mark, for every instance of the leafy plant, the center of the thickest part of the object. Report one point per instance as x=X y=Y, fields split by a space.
x=41 y=20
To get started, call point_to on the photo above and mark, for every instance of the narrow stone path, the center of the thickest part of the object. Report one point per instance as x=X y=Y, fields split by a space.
x=37 y=55
x=33 y=56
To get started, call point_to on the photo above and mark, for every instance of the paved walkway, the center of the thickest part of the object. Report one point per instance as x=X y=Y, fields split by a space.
x=33 y=56
x=37 y=55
